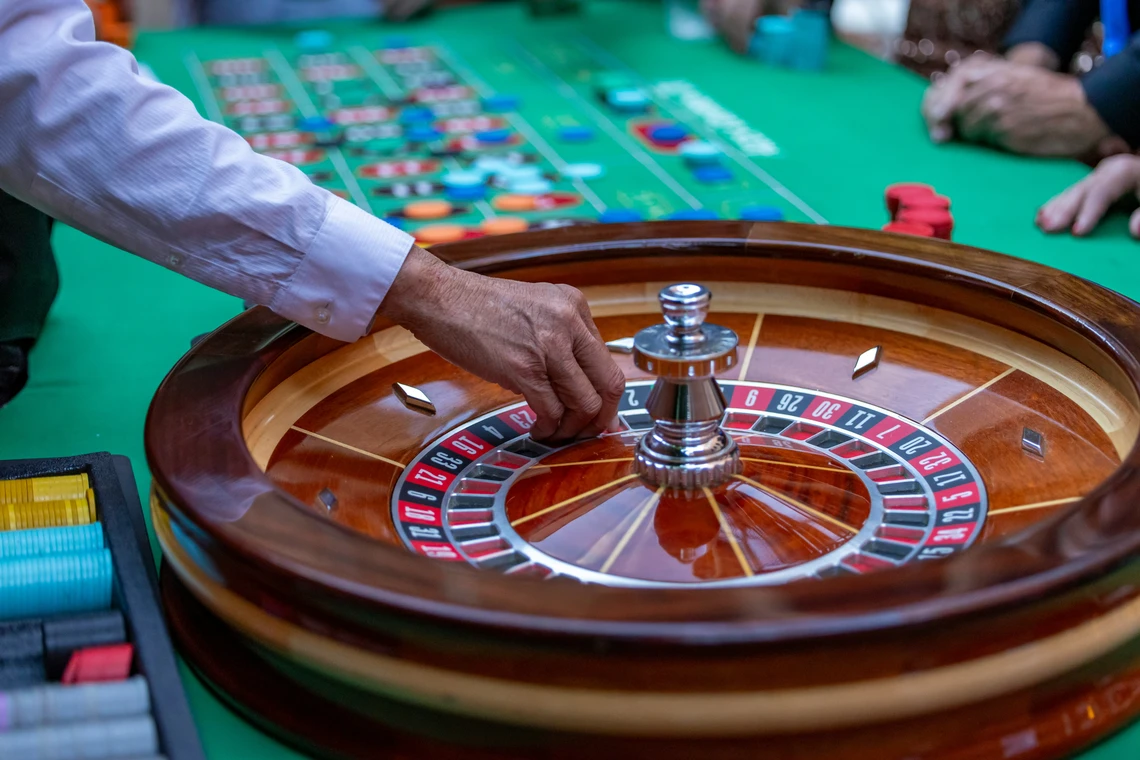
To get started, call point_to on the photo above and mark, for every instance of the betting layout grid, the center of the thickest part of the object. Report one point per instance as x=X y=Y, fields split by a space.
x=411 y=134
x=86 y=667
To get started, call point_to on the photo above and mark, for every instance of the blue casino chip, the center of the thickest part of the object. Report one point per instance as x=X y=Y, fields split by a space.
x=501 y=102
x=315 y=124
x=668 y=133
x=477 y=193
x=712 y=174
x=314 y=40
x=422 y=133
x=692 y=215
x=416 y=115
x=493 y=136
x=761 y=213
x=620 y=215
x=575 y=134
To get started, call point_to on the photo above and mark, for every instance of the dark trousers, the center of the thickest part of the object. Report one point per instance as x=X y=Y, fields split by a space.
x=29 y=279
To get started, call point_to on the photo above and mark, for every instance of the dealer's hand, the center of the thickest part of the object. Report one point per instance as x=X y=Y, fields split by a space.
x=535 y=339
x=734 y=19
x=1083 y=205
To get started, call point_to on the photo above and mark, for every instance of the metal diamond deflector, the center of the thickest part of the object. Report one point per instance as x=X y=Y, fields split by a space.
x=413 y=398
x=866 y=362
x=620 y=346
x=1033 y=442
x=328 y=499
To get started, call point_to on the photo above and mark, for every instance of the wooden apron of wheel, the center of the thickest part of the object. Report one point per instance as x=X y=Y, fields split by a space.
x=900 y=522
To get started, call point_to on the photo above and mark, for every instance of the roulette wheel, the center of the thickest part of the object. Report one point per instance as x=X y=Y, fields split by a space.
x=869 y=496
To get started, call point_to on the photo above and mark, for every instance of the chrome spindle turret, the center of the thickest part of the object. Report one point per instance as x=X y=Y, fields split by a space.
x=687 y=448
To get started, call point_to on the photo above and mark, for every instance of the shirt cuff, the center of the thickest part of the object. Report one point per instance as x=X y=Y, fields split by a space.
x=339 y=285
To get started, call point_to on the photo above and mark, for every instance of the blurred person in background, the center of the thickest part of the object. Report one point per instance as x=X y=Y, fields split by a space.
x=1025 y=100
x=257 y=12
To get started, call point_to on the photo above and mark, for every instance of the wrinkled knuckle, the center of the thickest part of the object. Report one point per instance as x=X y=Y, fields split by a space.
x=591 y=406
x=614 y=386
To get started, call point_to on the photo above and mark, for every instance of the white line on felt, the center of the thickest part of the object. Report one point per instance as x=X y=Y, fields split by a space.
x=296 y=90
x=609 y=59
x=202 y=85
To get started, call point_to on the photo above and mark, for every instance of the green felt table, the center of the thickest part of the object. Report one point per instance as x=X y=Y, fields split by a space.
x=821 y=146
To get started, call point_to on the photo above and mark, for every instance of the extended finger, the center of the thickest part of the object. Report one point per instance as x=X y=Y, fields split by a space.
x=1098 y=198
x=604 y=376
x=547 y=408
x=1060 y=212
x=581 y=403
x=739 y=21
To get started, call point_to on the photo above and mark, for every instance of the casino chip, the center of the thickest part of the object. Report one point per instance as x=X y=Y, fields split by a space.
x=620 y=215
x=428 y=209
x=440 y=233
x=416 y=115
x=395 y=221
x=613 y=80
x=668 y=133
x=472 y=193
x=504 y=225
x=514 y=202
x=576 y=134
x=692 y=215
x=940 y=220
x=453 y=180
x=315 y=124
x=314 y=40
x=509 y=173
x=632 y=100
x=920 y=229
x=583 y=171
x=531 y=186
x=490 y=165
x=923 y=200
x=699 y=152
x=760 y=213
x=422 y=133
x=493 y=136
x=895 y=193
x=713 y=174
x=501 y=102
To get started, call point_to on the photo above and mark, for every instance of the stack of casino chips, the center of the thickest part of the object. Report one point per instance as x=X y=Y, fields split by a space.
x=916 y=209
x=799 y=41
x=66 y=684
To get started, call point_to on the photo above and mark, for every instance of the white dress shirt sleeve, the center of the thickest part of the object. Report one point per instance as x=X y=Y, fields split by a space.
x=87 y=140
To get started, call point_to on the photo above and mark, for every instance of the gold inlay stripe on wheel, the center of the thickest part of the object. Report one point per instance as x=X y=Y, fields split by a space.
x=798 y=504
x=572 y=499
x=726 y=529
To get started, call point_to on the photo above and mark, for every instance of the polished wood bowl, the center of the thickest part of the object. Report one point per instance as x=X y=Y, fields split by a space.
x=933 y=555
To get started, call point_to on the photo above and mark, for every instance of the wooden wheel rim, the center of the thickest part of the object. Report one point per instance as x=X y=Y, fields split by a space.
x=1090 y=323
x=765 y=711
